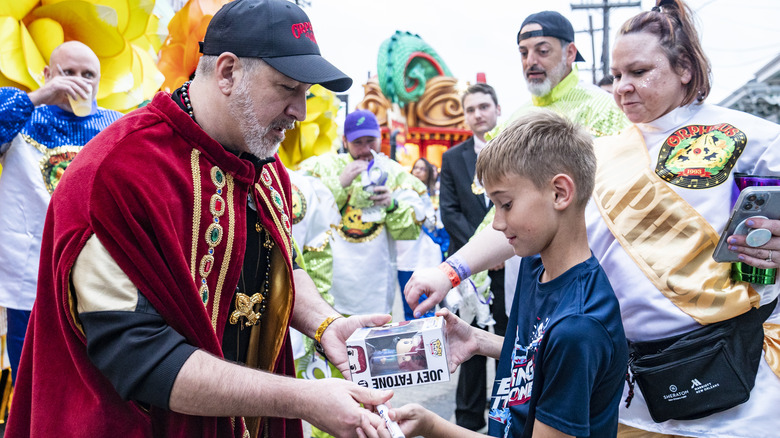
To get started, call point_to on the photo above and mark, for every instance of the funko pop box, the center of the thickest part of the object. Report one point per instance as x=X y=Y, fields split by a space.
x=405 y=353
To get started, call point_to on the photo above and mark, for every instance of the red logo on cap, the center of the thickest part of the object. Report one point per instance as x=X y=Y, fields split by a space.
x=303 y=29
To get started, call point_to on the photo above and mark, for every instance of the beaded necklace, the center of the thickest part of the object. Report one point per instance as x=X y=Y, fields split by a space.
x=184 y=91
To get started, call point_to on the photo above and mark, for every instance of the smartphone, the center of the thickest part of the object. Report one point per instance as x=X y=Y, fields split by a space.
x=752 y=201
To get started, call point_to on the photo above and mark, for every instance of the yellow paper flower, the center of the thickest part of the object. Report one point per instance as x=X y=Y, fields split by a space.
x=317 y=134
x=180 y=53
x=124 y=34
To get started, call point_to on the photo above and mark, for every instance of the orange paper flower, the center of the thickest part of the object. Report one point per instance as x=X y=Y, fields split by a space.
x=180 y=53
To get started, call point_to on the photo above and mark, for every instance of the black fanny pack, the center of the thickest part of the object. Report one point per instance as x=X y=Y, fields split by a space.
x=702 y=372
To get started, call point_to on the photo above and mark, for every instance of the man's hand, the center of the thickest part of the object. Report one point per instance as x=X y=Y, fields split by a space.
x=430 y=282
x=461 y=342
x=382 y=196
x=57 y=89
x=335 y=337
x=351 y=171
x=336 y=408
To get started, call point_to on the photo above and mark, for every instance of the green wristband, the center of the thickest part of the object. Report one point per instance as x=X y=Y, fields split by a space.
x=393 y=205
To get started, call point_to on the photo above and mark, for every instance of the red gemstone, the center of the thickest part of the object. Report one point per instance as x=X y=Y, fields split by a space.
x=207 y=266
x=219 y=204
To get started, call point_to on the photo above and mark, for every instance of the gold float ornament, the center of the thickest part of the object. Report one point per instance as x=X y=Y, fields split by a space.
x=180 y=53
x=124 y=35
x=317 y=134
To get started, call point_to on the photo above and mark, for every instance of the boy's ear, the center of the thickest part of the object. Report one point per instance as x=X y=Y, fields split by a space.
x=564 y=191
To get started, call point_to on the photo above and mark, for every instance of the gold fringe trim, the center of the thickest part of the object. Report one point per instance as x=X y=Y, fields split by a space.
x=196 y=209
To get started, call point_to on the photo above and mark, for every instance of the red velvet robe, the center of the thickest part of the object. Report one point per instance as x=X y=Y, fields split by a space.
x=146 y=186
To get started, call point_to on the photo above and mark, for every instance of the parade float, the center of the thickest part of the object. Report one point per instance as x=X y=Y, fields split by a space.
x=416 y=100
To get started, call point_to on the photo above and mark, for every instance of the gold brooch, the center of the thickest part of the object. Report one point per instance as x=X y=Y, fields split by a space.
x=245 y=308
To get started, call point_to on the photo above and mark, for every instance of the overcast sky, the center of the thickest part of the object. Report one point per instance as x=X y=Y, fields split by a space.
x=739 y=36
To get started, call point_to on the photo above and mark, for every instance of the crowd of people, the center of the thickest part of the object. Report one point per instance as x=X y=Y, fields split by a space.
x=168 y=276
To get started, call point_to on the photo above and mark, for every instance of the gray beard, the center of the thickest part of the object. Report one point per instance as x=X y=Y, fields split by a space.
x=555 y=76
x=243 y=110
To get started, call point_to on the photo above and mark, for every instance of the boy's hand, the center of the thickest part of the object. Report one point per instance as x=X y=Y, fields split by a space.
x=430 y=282
x=413 y=419
x=461 y=342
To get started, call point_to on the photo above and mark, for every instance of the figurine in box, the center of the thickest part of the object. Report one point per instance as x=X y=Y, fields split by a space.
x=407 y=355
x=399 y=354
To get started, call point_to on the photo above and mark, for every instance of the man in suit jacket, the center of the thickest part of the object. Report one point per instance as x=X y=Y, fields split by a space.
x=463 y=205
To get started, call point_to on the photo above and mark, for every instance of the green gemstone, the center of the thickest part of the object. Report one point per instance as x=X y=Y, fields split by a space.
x=204 y=295
x=219 y=176
x=214 y=234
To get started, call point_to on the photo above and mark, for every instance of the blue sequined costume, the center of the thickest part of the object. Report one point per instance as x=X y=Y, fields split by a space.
x=36 y=145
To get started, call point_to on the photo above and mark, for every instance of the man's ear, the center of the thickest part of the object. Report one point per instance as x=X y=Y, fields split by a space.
x=571 y=53
x=46 y=74
x=564 y=191
x=226 y=72
x=498 y=110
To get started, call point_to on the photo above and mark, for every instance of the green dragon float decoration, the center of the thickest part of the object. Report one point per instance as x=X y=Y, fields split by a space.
x=405 y=64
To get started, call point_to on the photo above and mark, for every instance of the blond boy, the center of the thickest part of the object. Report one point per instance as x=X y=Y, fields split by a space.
x=563 y=361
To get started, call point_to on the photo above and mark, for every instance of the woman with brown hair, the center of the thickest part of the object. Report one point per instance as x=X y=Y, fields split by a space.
x=705 y=336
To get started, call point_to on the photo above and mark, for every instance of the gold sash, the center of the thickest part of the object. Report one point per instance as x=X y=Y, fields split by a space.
x=668 y=239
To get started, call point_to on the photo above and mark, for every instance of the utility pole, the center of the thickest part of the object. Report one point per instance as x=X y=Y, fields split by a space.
x=605 y=6
x=591 y=31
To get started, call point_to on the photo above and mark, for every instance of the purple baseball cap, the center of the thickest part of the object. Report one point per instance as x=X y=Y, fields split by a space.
x=361 y=123
x=279 y=33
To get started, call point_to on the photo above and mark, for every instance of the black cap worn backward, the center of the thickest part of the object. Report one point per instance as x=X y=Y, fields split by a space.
x=553 y=25
x=279 y=33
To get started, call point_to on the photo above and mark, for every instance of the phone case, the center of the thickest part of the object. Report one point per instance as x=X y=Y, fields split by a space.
x=753 y=201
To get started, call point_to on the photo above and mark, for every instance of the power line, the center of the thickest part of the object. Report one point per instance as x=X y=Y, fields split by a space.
x=605 y=7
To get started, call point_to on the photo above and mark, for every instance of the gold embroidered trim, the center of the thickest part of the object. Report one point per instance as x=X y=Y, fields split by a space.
x=322 y=247
x=228 y=250
x=41 y=148
x=278 y=182
x=367 y=238
x=285 y=238
x=196 y=189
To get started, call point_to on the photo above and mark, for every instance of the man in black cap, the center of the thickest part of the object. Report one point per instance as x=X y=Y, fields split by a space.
x=168 y=284
x=546 y=45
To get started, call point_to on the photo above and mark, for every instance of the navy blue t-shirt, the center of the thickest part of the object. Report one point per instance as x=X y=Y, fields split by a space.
x=564 y=356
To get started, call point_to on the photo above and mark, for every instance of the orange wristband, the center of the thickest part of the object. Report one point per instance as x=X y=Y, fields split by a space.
x=451 y=274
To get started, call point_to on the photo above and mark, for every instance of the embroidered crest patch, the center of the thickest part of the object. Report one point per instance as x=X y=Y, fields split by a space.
x=700 y=156
x=298 y=205
x=353 y=229
x=54 y=162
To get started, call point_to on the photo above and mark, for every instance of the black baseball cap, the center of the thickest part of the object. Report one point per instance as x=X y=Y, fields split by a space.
x=279 y=33
x=553 y=25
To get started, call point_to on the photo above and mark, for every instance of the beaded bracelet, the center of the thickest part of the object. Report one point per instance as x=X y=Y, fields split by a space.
x=321 y=329
x=451 y=274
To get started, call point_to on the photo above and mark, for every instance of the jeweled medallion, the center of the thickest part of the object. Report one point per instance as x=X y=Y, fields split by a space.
x=217 y=177
x=214 y=234
x=206 y=263
x=265 y=177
